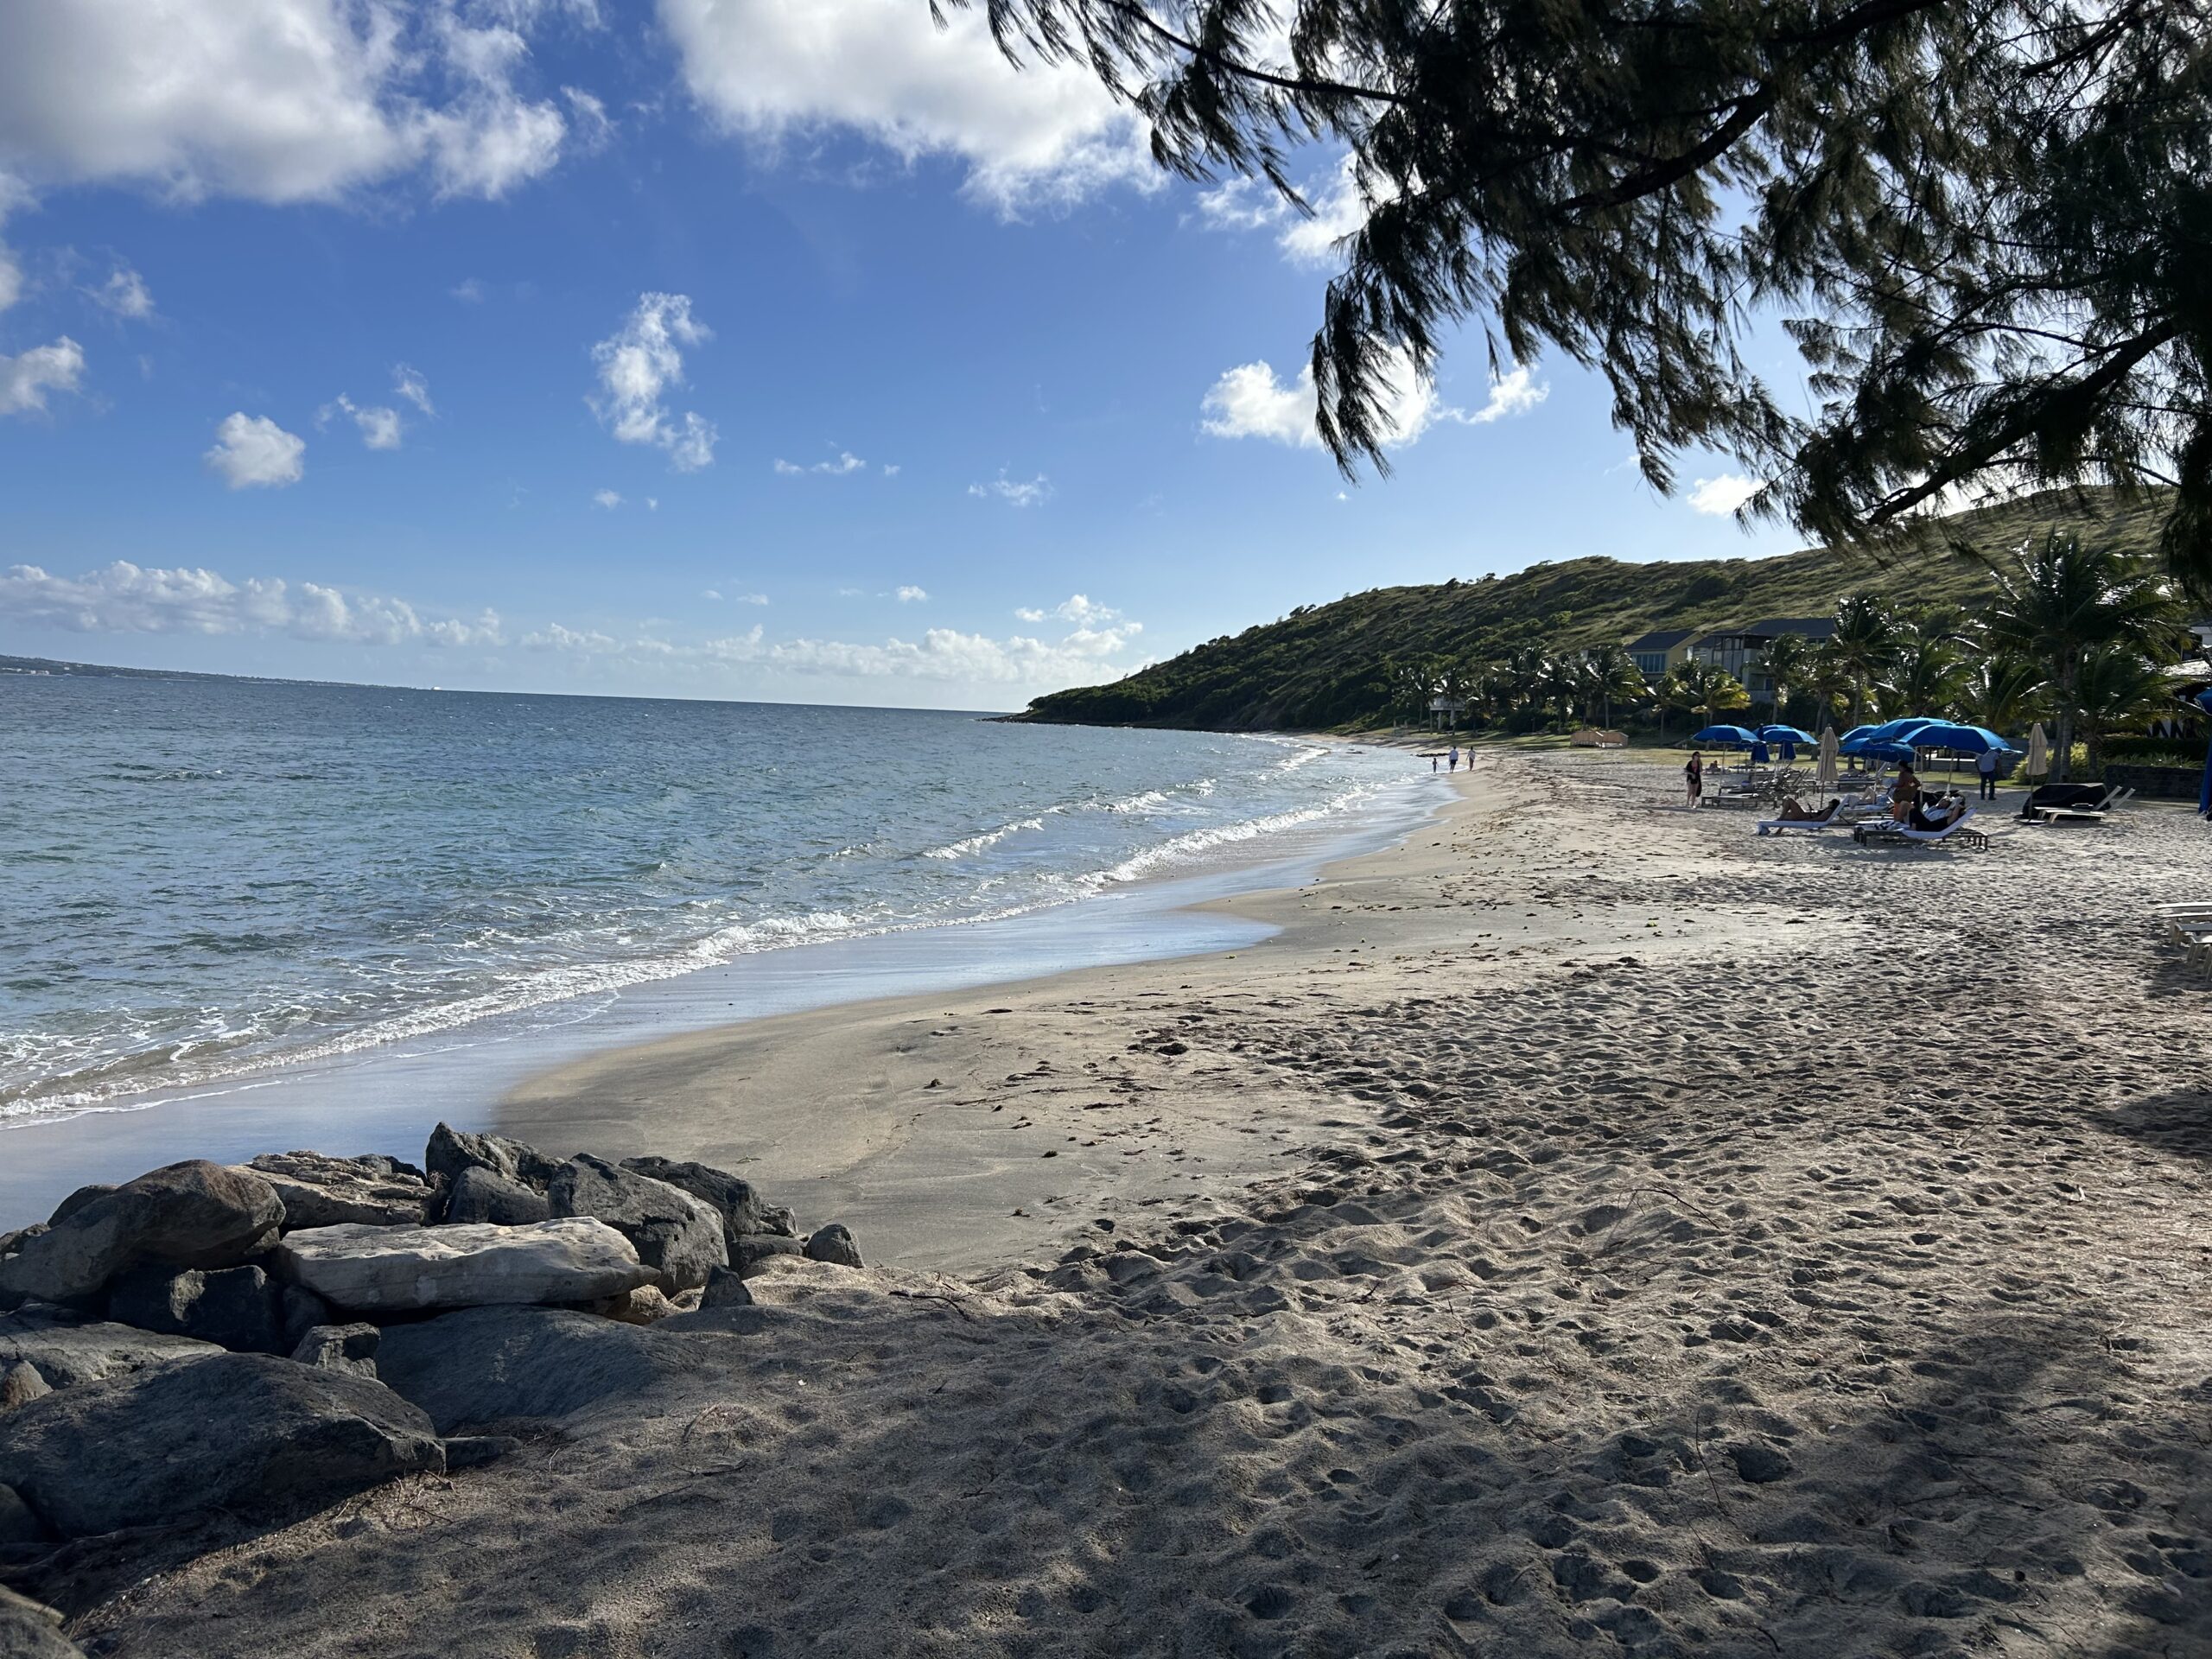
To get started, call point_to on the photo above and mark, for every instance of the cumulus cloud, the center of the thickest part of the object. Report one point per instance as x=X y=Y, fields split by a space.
x=1076 y=608
x=1013 y=492
x=125 y=294
x=608 y=499
x=1082 y=656
x=379 y=426
x=469 y=290
x=637 y=365
x=910 y=595
x=126 y=598
x=253 y=450
x=772 y=70
x=1250 y=401
x=847 y=461
x=27 y=377
x=409 y=385
x=1340 y=206
x=275 y=100
x=1721 y=496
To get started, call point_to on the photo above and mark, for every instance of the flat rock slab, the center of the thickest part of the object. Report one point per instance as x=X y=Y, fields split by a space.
x=66 y=1349
x=501 y=1365
x=251 y=1434
x=320 y=1190
x=395 y=1269
x=189 y=1214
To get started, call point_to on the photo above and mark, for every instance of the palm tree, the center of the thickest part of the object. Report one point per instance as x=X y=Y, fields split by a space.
x=1827 y=677
x=1864 y=640
x=1928 y=667
x=1456 y=685
x=1786 y=659
x=1524 y=671
x=2114 y=687
x=2060 y=599
x=1562 y=681
x=2003 y=690
x=1709 y=688
x=1610 y=674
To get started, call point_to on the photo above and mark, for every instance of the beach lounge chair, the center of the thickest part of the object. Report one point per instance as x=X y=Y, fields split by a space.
x=1834 y=820
x=2114 y=800
x=1891 y=833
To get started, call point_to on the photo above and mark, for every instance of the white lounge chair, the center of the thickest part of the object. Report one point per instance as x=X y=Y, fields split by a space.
x=1775 y=826
x=1870 y=833
x=2114 y=798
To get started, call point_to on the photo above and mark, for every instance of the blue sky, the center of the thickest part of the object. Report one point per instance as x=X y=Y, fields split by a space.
x=784 y=349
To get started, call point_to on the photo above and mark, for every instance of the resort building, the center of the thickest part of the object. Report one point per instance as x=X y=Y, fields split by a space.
x=1742 y=651
x=1661 y=650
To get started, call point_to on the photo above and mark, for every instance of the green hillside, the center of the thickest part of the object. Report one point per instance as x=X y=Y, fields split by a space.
x=1327 y=665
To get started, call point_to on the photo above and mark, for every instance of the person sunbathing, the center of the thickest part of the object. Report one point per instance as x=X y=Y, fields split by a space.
x=1794 y=811
x=1947 y=813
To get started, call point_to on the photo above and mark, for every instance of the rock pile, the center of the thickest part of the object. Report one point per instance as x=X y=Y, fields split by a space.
x=270 y=1338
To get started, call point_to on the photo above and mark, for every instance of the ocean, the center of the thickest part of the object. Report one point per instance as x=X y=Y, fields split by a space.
x=206 y=879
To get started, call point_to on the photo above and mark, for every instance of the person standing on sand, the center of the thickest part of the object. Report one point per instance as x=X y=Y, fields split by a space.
x=1455 y=757
x=1986 y=764
x=1693 y=777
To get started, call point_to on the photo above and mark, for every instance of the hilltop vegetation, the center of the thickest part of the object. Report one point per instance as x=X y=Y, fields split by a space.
x=1331 y=664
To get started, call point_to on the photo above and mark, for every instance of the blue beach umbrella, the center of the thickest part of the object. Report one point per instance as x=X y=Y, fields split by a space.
x=1787 y=734
x=1960 y=739
x=1725 y=737
x=2204 y=794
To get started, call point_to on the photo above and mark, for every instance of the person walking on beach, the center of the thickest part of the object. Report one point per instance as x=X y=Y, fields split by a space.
x=1986 y=764
x=1455 y=757
x=1693 y=777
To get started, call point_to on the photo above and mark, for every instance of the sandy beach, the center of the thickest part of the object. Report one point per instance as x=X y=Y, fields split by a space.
x=1583 y=1228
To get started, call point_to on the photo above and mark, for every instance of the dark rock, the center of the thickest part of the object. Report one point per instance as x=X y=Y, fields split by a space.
x=726 y=1288
x=189 y=1214
x=679 y=1237
x=451 y=1151
x=348 y=1348
x=20 y=1384
x=77 y=1200
x=478 y=1194
x=498 y=1364
x=10 y=1242
x=833 y=1244
x=303 y=1311
x=242 y=1432
x=320 y=1190
x=67 y=1347
x=29 y=1629
x=19 y=1523
x=738 y=1202
x=237 y=1308
x=756 y=1250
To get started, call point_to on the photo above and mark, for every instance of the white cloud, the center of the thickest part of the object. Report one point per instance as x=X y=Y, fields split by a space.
x=1240 y=204
x=1339 y=207
x=637 y=365
x=379 y=426
x=1076 y=608
x=910 y=595
x=847 y=461
x=26 y=378
x=607 y=499
x=1082 y=656
x=125 y=294
x=1014 y=492
x=125 y=598
x=275 y=100
x=252 y=450
x=735 y=599
x=469 y=291
x=1249 y=401
x=891 y=469
x=1721 y=496
x=773 y=69
x=592 y=127
x=409 y=385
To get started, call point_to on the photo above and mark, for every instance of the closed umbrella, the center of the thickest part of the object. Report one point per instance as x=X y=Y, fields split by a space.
x=2038 y=752
x=1827 y=770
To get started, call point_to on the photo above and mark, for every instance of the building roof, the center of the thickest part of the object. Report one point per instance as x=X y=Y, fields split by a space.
x=1813 y=627
x=1662 y=640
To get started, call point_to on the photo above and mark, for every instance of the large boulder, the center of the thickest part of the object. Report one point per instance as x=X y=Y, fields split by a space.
x=29 y=1629
x=498 y=1364
x=65 y=1347
x=19 y=1524
x=320 y=1190
x=737 y=1201
x=188 y=1215
x=479 y=1195
x=239 y=1308
x=833 y=1244
x=77 y=1200
x=679 y=1237
x=451 y=1151
x=245 y=1433
x=393 y=1269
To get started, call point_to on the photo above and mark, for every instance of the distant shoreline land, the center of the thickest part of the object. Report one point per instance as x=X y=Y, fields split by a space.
x=1326 y=666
